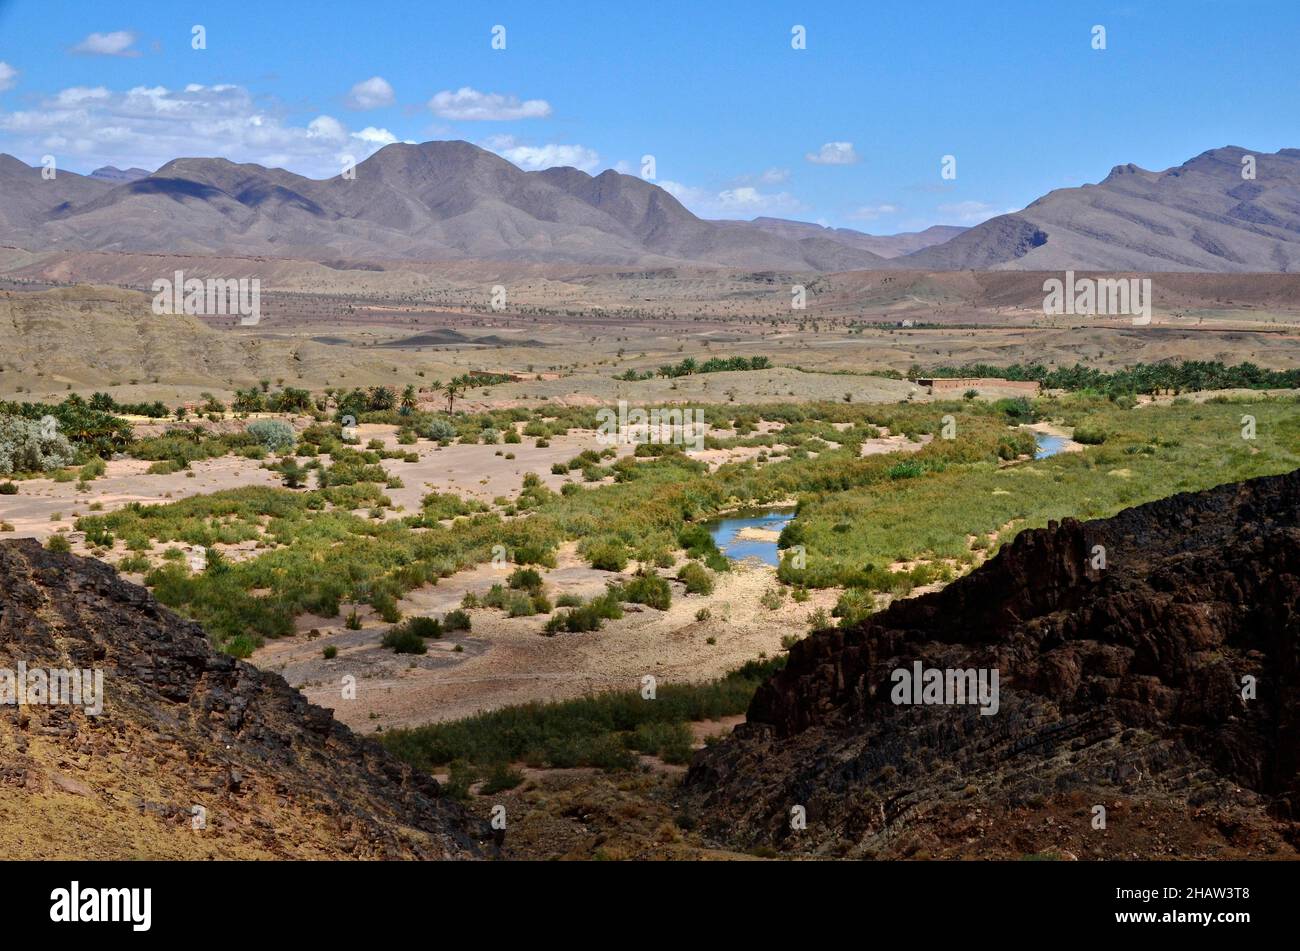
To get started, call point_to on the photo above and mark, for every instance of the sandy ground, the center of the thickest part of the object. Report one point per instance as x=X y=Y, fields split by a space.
x=1203 y=396
x=477 y=471
x=752 y=533
x=471 y=471
x=508 y=661
x=892 y=443
x=31 y=511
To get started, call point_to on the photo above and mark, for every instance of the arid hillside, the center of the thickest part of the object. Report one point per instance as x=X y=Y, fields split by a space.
x=1225 y=210
x=1161 y=687
x=95 y=337
x=195 y=754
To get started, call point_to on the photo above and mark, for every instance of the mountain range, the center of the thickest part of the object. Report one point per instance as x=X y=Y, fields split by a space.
x=452 y=200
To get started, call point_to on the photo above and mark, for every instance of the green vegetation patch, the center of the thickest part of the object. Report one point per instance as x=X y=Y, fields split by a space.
x=604 y=731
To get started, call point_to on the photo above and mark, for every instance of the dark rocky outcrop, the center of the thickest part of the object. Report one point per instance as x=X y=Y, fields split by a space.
x=1120 y=686
x=184 y=726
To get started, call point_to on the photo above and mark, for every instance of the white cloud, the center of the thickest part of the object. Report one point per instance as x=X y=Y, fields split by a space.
x=372 y=93
x=532 y=158
x=327 y=129
x=74 y=95
x=8 y=76
x=834 y=153
x=471 y=105
x=741 y=201
x=150 y=125
x=373 y=136
x=117 y=43
x=872 y=212
x=971 y=212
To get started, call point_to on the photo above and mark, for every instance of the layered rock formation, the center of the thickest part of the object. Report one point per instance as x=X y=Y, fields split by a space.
x=196 y=754
x=1163 y=687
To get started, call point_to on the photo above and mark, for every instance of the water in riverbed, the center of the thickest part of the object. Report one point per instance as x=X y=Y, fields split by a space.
x=726 y=530
x=1049 y=445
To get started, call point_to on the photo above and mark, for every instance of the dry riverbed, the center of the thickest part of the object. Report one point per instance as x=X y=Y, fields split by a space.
x=505 y=661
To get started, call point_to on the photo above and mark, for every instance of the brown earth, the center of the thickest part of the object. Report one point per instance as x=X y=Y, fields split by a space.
x=1121 y=687
x=195 y=754
x=504 y=661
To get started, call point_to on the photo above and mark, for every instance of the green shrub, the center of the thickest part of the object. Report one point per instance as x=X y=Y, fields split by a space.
x=793 y=534
x=456 y=620
x=58 y=543
x=440 y=430
x=1089 y=436
x=501 y=776
x=386 y=606
x=28 y=445
x=534 y=555
x=608 y=556
x=697 y=578
x=853 y=605
x=519 y=604
x=525 y=579
x=424 y=626
x=134 y=564
x=907 y=469
x=698 y=543
x=649 y=589
x=8 y=488
x=670 y=741
x=596 y=731
x=330 y=652
x=93 y=469
x=587 y=617
x=274 y=435
x=460 y=777
x=401 y=640
x=1017 y=408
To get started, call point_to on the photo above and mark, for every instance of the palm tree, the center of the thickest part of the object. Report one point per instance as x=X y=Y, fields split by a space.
x=408 y=400
x=452 y=390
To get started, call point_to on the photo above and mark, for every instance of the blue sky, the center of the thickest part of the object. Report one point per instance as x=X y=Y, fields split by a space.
x=849 y=132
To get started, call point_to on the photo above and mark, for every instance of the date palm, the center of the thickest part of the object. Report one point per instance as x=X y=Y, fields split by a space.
x=453 y=389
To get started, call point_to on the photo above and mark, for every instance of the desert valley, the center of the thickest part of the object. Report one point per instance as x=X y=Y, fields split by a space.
x=404 y=499
x=437 y=495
